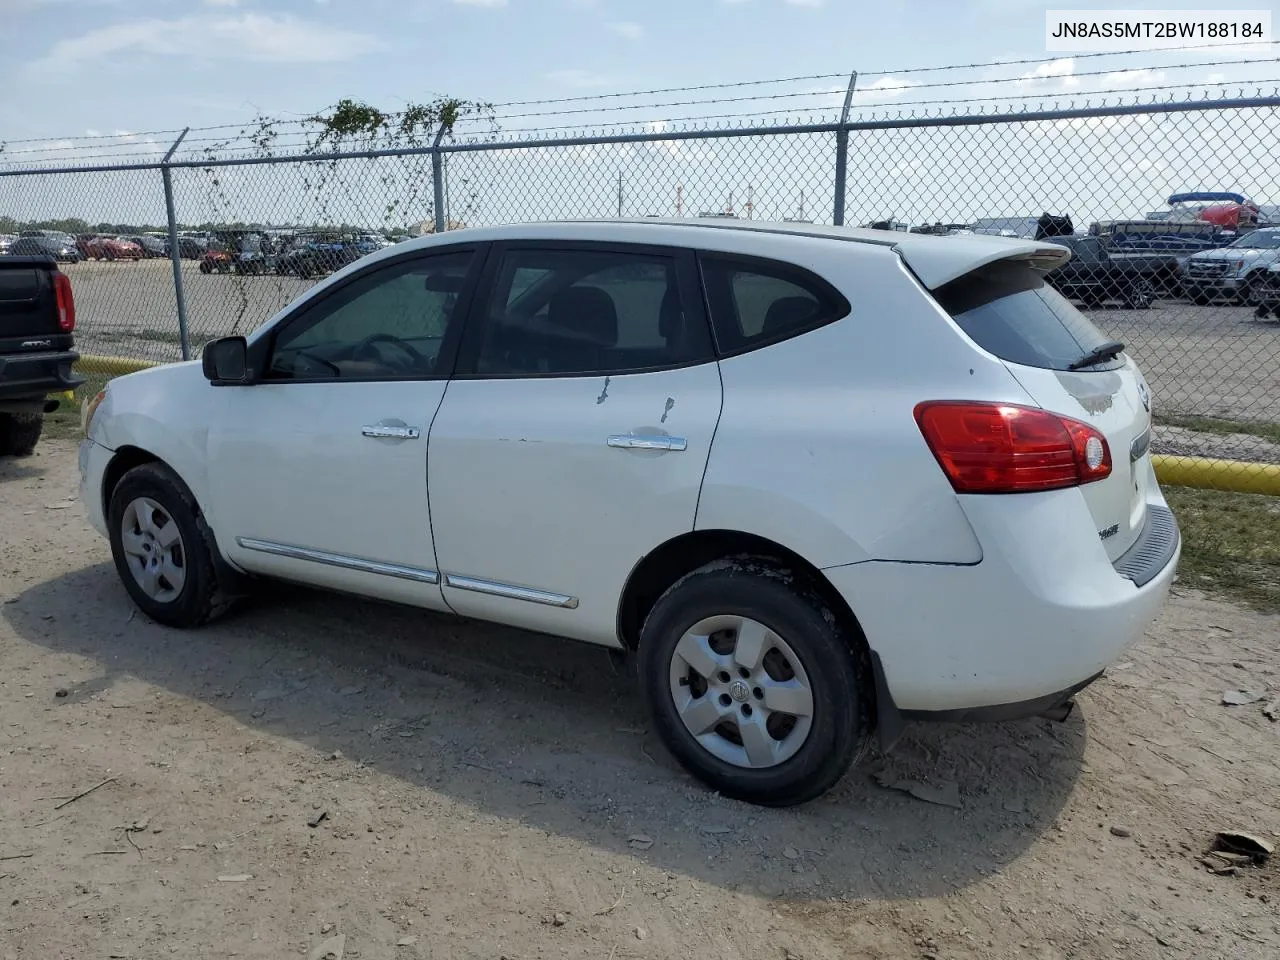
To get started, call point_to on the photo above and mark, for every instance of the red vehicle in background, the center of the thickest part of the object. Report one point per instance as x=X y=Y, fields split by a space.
x=217 y=259
x=109 y=248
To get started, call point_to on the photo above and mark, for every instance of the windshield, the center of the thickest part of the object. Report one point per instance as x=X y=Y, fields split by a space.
x=1259 y=240
x=1009 y=310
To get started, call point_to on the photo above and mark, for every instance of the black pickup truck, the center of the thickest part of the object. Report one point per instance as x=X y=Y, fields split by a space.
x=37 y=317
x=1094 y=274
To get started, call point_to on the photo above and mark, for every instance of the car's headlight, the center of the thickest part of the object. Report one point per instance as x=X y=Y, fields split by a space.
x=88 y=409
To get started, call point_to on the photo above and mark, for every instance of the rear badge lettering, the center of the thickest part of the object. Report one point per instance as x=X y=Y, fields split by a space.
x=1110 y=532
x=35 y=344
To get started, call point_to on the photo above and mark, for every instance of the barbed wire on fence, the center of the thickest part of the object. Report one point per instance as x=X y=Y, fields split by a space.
x=312 y=202
x=894 y=86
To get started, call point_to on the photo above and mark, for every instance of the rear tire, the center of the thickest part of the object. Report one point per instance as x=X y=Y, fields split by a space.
x=152 y=516
x=19 y=433
x=1139 y=294
x=695 y=649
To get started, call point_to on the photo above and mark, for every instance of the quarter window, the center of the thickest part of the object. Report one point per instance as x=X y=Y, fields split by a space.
x=565 y=312
x=385 y=325
x=754 y=302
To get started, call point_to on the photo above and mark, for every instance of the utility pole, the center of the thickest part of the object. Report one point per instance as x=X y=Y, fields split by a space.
x=619 y=194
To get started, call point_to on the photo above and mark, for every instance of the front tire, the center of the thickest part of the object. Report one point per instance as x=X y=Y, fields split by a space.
x=753 y=685
x=163 y=550
x=19 y=433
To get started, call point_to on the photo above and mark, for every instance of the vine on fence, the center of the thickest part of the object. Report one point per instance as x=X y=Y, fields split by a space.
x=401 y=185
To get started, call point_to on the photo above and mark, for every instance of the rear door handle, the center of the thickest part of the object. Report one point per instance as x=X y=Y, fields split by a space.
x=633 y=441
x=390 y=431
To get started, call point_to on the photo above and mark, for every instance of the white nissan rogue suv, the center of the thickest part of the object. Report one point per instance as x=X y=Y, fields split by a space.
x=819 y=480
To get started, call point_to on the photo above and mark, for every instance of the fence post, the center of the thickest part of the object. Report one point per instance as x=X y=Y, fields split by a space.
x=175 y=252
x=437 y=179
x=842 y=152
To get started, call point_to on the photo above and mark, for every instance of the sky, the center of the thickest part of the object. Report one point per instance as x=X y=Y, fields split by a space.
x=106 y=65
x=86 y=68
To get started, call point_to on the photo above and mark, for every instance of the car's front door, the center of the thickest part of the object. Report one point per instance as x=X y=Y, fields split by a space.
x=575 y=435
x=317 y=470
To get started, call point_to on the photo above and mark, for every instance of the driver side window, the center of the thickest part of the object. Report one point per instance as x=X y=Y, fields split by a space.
x=385 y=325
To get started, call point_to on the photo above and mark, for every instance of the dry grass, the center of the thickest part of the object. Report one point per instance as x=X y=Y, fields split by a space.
x=1231 y=544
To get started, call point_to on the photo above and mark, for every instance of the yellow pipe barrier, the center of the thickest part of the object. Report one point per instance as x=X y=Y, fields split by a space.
x=1236 y=476
x=115 y=366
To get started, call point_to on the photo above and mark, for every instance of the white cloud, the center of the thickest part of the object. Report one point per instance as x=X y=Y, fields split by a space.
x=572 y=77
x=1060 y=72
x=627 y=28
x=886 y=85
x=250 y=36
x=1127 y=79
x=223 y=3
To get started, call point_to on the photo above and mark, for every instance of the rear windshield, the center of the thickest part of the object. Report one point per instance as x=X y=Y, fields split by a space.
x=1009 y=310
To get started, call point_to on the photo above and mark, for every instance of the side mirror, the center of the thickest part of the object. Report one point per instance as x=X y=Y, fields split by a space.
x=226 y=360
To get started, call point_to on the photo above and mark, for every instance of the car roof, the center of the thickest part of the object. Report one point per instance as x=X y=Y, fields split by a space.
x=935 y=260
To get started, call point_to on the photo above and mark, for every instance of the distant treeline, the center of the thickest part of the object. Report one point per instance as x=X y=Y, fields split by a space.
x=74 y=225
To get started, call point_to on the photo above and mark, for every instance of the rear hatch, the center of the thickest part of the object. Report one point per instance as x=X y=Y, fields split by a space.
x=1068 y=367
x=29 y=307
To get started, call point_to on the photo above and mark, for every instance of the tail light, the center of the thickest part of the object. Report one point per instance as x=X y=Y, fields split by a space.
x=1007 y=448
x=66 y=302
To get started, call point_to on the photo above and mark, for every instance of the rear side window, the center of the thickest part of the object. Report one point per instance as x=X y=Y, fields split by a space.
x=757 y=302
x=1008 y=309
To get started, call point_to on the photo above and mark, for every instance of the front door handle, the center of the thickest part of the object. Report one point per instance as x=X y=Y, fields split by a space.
x=633 y=441
x=390 y=431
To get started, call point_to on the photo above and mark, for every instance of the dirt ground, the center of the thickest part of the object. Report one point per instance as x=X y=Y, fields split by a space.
x=489 y=793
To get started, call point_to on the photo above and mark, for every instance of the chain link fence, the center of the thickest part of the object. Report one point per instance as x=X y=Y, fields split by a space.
x=1186 y=286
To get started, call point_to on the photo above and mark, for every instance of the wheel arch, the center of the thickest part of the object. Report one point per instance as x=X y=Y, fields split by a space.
x=129 y=456
x=681 y=555
x=125 y=459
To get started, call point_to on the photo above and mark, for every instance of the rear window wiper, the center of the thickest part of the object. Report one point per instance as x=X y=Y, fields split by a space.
x=1099 y=354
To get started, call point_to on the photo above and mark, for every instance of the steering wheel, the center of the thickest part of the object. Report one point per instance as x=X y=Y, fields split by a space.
x=363 y=348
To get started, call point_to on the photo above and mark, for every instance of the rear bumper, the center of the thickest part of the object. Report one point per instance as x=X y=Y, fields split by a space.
x=30 y=375
x=1000 y=712
x=1043 y=613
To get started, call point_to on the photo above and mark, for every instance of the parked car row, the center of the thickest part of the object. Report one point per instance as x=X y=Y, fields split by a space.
x=45 y=243
x=1236 y=273
x=305 y=255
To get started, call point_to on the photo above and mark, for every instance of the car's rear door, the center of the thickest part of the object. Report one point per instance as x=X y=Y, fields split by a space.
x=574 y=437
